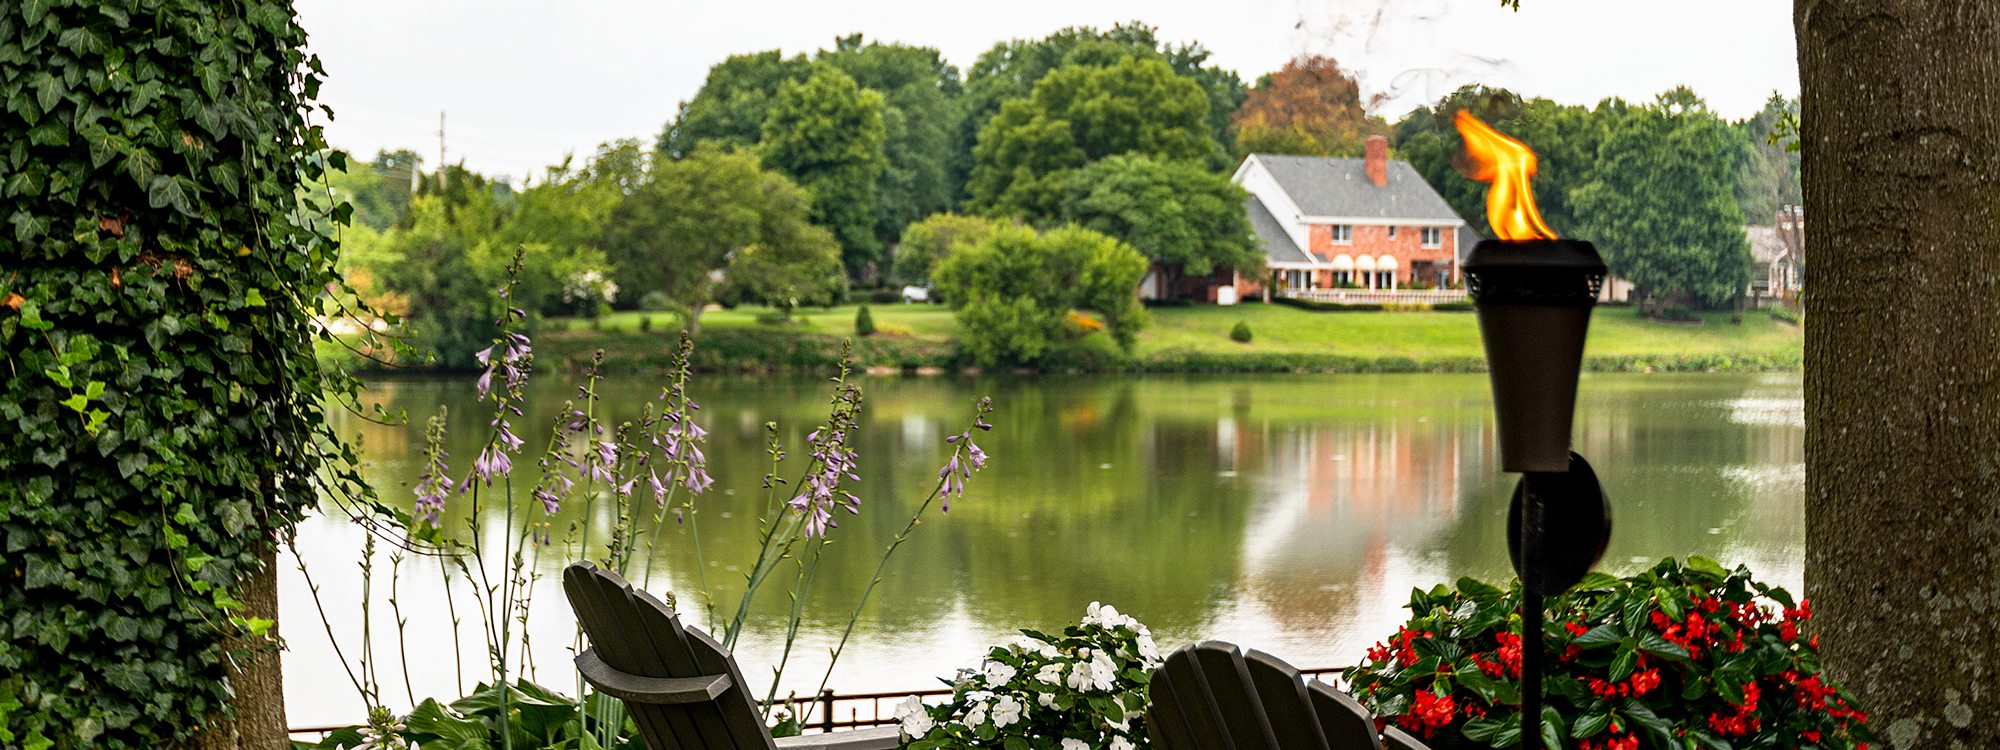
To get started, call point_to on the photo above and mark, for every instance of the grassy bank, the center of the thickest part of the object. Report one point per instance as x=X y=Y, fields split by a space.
x=1180 y=339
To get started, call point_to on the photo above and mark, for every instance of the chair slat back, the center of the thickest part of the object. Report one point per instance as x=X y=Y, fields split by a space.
x=638 y=634
x=1212 y=696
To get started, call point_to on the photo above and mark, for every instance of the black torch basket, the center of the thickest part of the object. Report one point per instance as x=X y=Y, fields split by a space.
x=1534 y=298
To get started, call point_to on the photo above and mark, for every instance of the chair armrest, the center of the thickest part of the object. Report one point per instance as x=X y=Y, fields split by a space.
x=637 y=689
x=877 y=738
x=1397 y=739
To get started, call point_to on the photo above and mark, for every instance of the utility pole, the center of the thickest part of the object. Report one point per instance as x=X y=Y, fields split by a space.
x=441 y=170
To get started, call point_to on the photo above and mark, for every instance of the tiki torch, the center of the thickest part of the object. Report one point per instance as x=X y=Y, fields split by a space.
x=1533 y=294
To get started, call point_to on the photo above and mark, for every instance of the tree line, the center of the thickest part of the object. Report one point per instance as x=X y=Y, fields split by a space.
x=786 y=180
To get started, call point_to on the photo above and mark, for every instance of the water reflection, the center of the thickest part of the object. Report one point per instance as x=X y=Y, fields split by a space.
x=1290 y=512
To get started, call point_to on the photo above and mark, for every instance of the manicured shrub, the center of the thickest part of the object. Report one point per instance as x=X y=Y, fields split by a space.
x=1087 y=686
x=656 y=301
x=1240 y=333
x=1681 y=655
x=864 y=324
x=645 y=323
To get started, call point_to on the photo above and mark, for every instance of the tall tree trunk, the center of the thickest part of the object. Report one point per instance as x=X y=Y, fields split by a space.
x=258 y=681
x=1901 y=140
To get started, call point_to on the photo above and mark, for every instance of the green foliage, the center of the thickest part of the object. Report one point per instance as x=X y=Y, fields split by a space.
x=536 y=717
x=1767 y=174
x=927 y=242
x=1565 y=139
x=1087 y=685
x=920 y=115
x=732 y=104
x=445 y=267
x=827 y=133
x=701 y=214
x=1078 y=115
x=1182 y=217
x=1240 y=333
x=163 y=404
x=1661 y=210
x=1681 y=655
x=864 y=324
x=1010 y=70
x=1015 y=292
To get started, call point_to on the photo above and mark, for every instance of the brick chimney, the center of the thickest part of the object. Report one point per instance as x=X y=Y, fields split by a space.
x=1378 y=160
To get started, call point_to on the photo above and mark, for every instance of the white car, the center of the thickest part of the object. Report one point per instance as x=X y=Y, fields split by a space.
x=915 y=293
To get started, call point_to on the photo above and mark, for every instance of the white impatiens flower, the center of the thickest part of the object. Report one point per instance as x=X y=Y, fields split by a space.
x=915 y=720
x=998 y=673
x=1120 y=743
x=1045 y=699
x=1070 y=744
x=976 y=715
x=1148 y=651
x=1050 y=674
x=1103 y=672
x=1006 y=711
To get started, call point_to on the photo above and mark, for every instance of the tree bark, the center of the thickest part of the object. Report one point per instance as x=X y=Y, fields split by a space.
x=1900 y=133
x=258 y=680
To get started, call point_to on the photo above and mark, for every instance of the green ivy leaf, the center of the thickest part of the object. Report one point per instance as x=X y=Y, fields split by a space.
x=168 y=191
x=1588 y=725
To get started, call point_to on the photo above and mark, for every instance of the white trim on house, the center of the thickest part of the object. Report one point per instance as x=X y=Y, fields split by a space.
x=1256 y=179
x=1362 y=221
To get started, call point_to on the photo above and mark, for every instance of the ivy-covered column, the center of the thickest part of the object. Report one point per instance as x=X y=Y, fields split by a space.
x=160 y=408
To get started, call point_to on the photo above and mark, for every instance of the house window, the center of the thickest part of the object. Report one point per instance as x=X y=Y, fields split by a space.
x=1433 y=237
x=1343 y=278
x=1342 y=234
x=1392 y=233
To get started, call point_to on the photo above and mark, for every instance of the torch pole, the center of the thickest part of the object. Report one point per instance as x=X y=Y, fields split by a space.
x=1532 y=522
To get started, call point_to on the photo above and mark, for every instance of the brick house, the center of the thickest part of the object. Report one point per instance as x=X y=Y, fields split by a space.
x=1332 y=223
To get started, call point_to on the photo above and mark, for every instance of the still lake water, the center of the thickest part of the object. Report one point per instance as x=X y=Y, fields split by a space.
x=1290 y=513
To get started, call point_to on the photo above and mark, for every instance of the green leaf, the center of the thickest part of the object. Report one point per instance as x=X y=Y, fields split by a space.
x=1602 y=635
x=1589 y=725
x=1552 y=728
x=1656 y=728
x=1707 y=567
x=253 y=298
x=1484 y=730
x=1653 y=644
x=94 y=390
x=76 y=402
x=48 y=91
x=1621 y=667
x=168 y=191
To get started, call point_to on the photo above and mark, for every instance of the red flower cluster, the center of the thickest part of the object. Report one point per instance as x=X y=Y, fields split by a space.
x=1743 y=720
x=1641 y=682
x=1429 y=714
x=1614 y=742
x=1402 y=652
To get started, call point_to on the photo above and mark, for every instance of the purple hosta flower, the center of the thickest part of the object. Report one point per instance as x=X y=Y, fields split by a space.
x=607 y=457
x=433 y=486
x=951 y=478
x=492 y=462
x=833 y=463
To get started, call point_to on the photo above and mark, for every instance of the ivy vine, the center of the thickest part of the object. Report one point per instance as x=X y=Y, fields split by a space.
x=161 y=409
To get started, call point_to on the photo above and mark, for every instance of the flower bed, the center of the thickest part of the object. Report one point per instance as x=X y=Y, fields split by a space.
x=1683 y=656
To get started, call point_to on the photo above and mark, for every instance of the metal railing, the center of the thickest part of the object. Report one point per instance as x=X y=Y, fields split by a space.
x=821 y=713
x=1376 y=296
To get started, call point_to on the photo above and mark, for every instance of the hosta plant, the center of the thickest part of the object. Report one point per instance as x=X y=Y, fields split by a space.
x=1085 y=688
x=1685 y=656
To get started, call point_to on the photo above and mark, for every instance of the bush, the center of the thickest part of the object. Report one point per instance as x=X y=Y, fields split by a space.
x=1684 y=655
x=645 y=322
x=1014 y=291
x=1240 y=333
x=864 y=324
x=1087 y=685
x=656 y=301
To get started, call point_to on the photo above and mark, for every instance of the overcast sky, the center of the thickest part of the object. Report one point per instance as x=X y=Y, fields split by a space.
x=524 y=82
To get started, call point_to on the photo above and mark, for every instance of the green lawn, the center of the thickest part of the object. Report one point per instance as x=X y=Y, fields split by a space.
x=1421 y=337
x=1614 y=332
x=922 y=321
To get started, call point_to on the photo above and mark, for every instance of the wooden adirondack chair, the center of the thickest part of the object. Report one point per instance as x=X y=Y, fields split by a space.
x=683 y=691
x=1212 y=696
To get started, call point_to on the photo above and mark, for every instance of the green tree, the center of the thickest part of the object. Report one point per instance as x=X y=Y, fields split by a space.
x=1767 y=173
x=1662 y=205
x=826 y=132
x=1078 y=115
x=1183 y=218
x=927 y=242
x=560 y=223
x=1015 y=291
x=1010 y=70
x=733 y=102
x=920 y=113
x=679 y=232
x=163 y=277
x=445 y=266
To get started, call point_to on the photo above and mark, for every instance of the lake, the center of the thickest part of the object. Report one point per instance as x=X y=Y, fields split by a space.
x=1289 y=513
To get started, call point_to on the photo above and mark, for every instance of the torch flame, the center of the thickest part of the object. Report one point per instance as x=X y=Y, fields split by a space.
x=1506 y=164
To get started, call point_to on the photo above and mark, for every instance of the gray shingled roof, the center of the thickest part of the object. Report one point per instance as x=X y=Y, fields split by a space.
x=1327 y=186
x=1278 y=245
x=1467 y=237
